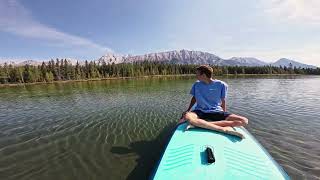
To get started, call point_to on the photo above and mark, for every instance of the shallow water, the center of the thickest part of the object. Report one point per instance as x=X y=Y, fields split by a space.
x=116 y=129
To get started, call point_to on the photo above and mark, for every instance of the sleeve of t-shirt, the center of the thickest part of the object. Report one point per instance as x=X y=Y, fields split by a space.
x=224 y=90
x=193 y=91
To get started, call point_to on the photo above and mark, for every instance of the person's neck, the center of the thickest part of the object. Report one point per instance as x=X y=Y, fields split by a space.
x=208 y=81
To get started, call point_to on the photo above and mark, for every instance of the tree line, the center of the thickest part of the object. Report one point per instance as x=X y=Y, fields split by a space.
x=62 y=70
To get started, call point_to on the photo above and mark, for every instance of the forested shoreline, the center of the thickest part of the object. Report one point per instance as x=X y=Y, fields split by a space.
x=62 y=70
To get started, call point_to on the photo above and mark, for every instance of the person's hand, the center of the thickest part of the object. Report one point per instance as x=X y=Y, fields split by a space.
x=182 y=119
x=183 y=114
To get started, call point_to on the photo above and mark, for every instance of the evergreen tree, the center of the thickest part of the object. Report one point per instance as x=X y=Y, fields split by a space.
x=56 y=71
x=43 y=71
x=63 y=70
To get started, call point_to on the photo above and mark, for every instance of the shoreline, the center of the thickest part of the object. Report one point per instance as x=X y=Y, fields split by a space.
x=96 y=79
x=140 y=77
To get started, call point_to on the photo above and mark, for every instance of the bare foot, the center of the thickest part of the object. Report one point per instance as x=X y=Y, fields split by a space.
x=189 y=126
x=231 y=131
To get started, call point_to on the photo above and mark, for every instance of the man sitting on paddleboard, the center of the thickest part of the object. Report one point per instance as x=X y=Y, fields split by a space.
x=210 y=111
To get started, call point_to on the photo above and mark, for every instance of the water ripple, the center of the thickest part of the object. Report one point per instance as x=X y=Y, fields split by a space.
x=113 y=129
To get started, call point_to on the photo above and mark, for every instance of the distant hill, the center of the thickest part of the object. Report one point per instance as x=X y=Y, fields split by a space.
x=244 y=61
x=288 y=62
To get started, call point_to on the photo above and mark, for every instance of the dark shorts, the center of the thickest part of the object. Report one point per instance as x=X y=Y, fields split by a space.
x=216 y=116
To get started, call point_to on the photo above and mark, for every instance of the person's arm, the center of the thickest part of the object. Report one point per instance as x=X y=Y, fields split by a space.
x=223 y=104
x=192 y=102
x=224 y=92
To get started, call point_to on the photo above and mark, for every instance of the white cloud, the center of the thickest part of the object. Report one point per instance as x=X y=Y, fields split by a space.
x=298 y=11
x=16 y=19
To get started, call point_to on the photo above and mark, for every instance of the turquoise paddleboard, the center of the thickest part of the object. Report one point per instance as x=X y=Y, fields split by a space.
x=204 y=154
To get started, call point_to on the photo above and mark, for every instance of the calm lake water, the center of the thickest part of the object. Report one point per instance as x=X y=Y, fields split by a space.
x=116 y=129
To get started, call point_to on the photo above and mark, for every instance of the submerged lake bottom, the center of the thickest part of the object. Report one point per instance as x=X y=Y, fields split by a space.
x=117 y=129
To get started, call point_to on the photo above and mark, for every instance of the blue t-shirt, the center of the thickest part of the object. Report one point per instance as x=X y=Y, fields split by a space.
x=208 y=96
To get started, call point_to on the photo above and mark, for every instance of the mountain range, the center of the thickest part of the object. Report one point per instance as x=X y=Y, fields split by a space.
x=199 y=57
x=181 y=57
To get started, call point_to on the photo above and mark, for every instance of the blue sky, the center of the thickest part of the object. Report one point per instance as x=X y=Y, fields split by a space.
x=83 y=29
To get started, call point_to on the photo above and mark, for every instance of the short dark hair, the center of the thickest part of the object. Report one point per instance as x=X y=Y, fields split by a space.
x=205 y=69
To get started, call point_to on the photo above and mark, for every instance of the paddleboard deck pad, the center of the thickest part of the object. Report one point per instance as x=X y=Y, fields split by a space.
x=205 y=154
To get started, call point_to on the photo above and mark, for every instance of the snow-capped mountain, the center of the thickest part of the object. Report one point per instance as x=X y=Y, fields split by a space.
x=29 y=62
x=198 y=57
x=8 y=62
x=110 y=58
x=38 y=62
x=20 y=62
x=177 y=57
x=73 y=61
x=288 y=62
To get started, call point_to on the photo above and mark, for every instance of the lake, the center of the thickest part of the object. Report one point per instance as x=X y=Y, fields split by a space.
x=116 y=129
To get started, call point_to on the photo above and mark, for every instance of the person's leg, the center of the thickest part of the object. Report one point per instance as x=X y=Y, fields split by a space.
x=194 y=120
x=225 y=123
x=231 y=120
x=240 y=120
x=226 y=119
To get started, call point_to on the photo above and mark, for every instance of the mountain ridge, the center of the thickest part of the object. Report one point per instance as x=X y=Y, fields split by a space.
x=181 y=57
